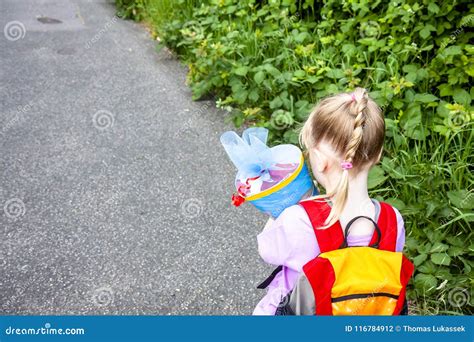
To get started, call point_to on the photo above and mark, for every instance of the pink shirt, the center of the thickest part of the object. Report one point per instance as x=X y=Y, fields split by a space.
x=290 y=242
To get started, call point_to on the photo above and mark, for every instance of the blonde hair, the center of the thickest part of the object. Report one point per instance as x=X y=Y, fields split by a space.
x=352 y=123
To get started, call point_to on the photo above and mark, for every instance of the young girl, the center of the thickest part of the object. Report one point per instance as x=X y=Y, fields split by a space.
x=343 y=137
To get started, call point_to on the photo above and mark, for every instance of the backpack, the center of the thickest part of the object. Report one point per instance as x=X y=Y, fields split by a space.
x=357 y=280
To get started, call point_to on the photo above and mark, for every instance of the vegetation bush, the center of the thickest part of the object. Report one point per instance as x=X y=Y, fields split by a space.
x=270 y=61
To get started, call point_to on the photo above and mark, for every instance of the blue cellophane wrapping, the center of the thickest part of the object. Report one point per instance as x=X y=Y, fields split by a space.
x=254 y=158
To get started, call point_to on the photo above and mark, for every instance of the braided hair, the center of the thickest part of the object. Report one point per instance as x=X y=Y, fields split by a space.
x=353 y=124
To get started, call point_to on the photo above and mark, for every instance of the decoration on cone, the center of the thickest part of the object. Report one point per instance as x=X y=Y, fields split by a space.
x=272 y=179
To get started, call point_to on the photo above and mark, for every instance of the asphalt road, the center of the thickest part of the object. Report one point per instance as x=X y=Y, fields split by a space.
x=115 y=191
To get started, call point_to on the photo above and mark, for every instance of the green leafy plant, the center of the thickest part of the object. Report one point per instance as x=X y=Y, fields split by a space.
x=131 y=9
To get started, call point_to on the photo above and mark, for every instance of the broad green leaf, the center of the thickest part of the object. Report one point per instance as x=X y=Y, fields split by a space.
x=468 y=266
x=396 y=202
x=428 y=267
x=444 y=273
x=253 y=95
x=410 y=68
x=427 y=47
x=299 y=73
x=349 y=49
x=438 y=247
x=411 y=77
x=272 y=70
x=241 y=71
x=425 y=98
x=411 y=243
x=452 y=51
x=412 y=126
x=335 y=73
x=300 y=37
x=259 y=77
x=276 y=103
x=434 y=236
x=376 y=177
x=433 y=8
x=291 y=136
x=462 y=199
x=468 y=217
x=455 y=240
x=455 y=251
x=445 y=89
x=425 y=282
x=461 y=96
x=312 y=79
x=422 y=74
x=441 y=259
x=241 y=95
x=238 y=120
x=418 y=260
x=425 y=33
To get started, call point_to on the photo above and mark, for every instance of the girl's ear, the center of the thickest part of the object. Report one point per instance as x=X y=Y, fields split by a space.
x=321 y=161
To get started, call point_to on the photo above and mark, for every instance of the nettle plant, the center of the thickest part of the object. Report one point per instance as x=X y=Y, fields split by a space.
x=271 y=61
x=131 y=9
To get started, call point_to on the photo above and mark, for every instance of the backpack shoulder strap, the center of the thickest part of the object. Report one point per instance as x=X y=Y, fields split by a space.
x=321 y=285
x=329 y=239
x=388 y=225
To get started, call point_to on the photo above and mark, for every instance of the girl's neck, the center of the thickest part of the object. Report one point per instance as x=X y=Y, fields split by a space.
x=358 y=201
x=358 y=190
